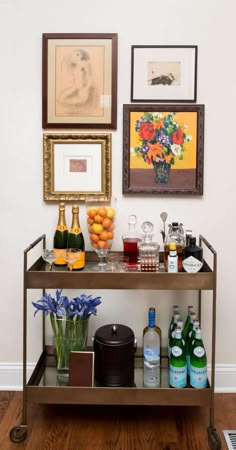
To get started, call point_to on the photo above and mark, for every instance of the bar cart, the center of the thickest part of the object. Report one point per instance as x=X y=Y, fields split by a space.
x=42 y=386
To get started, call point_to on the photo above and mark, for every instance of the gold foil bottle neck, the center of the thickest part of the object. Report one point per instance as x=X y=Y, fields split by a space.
x=75 y=209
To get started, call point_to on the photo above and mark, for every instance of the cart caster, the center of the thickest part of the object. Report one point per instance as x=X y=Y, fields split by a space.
x=213 y=439
x=18 y=434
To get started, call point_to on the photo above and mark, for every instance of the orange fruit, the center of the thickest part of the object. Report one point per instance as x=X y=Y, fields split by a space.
x=106 y=222
x=102 y=211
x=90 y=221
x=111 y=228
x=104 y=235
x=98 y=218
x=102 y=244
x=92 y=212
x=90 y=229
x=110 y=235
x=95 y=245
x=94 y=237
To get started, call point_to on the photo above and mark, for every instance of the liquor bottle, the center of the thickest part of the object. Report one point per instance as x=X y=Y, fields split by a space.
x=178 y=362
x=60 y=237
x=156 y=328
x=131 y=240
x=175 y=234
x=151 y=354
x=179 y=324
x=148 y=250
x=186 y=325
x=76 y=240
x=172 y=328
x=172 y=258
x=193 y=257
x=198 y=362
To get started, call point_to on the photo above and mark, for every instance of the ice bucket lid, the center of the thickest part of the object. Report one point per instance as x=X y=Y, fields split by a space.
x=114 y=334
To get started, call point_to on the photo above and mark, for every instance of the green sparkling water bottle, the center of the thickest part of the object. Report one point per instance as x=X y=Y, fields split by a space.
x=187 y=322
x=198 y=362
x=178 y=362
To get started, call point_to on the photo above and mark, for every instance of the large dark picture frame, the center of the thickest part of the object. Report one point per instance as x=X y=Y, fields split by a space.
x=163 y=149
x=80 y=80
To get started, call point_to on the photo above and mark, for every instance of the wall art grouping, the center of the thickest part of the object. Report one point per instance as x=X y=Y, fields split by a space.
x=163 y=144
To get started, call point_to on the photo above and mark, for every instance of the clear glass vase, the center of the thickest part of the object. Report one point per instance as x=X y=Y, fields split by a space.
x=69 y=335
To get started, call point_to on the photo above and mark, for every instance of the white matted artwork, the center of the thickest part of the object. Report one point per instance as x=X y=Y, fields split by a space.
x=164 y=73
x=77 y=166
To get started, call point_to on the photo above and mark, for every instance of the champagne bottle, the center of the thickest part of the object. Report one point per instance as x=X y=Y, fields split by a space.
x=198 y=362
x=60 y=237
x=76 y=239
x=157 y=329
x=178 y=363
x=151 y=353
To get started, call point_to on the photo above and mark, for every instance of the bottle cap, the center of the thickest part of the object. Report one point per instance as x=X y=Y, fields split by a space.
x=172 y=246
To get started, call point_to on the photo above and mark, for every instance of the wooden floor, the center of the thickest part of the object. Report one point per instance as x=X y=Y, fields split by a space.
x=114 y=428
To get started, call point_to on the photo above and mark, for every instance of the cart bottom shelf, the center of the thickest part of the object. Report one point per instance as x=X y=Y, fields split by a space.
x=47 y=386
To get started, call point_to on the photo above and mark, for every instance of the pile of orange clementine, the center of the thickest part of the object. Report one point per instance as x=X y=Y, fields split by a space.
x=101 y=226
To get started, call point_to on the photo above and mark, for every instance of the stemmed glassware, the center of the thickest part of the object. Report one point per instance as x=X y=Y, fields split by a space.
x=71 y=255
x=49 y=256
x=100 y=220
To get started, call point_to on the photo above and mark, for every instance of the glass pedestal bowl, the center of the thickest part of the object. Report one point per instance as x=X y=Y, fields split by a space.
x=100 y=220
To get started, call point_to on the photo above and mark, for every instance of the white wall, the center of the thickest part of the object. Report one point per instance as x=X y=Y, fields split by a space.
x=24 y=216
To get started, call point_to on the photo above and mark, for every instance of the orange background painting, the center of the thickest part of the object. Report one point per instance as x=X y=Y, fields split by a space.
x=189 y=160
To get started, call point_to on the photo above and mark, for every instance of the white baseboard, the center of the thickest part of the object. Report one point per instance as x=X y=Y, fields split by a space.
x=11 y=377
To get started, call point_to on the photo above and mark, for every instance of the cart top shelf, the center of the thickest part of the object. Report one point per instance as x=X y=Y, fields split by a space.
x=38 y=277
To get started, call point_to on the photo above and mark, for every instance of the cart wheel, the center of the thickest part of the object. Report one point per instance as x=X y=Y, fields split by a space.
x=18 y=434
x=213 y=439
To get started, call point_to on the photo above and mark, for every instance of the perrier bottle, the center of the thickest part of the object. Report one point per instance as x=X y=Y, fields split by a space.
x=60 y=237
x=198 y=362
x=76 y=240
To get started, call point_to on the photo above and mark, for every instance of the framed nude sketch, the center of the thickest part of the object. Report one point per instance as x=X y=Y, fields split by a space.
x=79 y=81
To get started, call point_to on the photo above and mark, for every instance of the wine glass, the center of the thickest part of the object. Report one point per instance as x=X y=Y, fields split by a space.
x=100 y=221
x=49 y=256
x=71 y=255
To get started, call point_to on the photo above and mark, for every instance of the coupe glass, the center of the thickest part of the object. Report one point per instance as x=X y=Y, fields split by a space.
x=71 y=255
x=49 y=256
x=100 y=221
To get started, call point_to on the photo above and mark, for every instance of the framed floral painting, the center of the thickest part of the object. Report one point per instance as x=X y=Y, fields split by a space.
x=163 y=149
x=79 y=80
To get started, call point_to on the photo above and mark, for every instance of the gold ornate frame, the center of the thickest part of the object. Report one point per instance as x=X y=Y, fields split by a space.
x=76 y=166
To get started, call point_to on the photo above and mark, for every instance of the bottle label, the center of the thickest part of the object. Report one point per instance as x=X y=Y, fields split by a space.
x=198 y=377
x=178 y=376
x=199 y=352
x=176 y=351
x=61 y=228
x=172 y=264
x=60 y=260
x=192 y=265
x=152 y=355
x=79 y=264
x=75 y=230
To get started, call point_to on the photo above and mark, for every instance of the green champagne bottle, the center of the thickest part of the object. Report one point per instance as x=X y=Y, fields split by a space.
x=60 y=238
x=76 y=240
x=198 y=362
x=178 y=362
x=156 y=328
